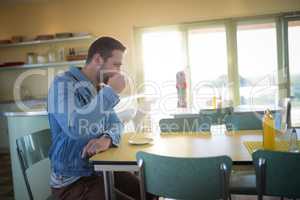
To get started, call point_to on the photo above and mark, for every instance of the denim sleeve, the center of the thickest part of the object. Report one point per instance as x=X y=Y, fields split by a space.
x=114 y=128
x=85 y=122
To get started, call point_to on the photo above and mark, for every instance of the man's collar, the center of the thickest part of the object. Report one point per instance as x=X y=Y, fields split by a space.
x=76 y=72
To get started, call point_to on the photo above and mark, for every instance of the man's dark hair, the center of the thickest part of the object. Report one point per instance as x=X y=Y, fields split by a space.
x=104 y=46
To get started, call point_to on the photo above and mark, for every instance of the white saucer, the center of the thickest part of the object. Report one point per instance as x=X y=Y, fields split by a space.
x=140 y=140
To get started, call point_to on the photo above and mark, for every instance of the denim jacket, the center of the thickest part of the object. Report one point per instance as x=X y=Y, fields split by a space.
x=78 y=113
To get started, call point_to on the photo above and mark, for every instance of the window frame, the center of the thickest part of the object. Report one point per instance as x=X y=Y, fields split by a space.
x=281 y=24
x=285 y=42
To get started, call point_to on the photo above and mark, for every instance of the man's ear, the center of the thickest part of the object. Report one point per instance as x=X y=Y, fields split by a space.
x=97 y=59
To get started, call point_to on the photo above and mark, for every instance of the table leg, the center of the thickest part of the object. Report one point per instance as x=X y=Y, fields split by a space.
x=112 y=184
x=107 y=185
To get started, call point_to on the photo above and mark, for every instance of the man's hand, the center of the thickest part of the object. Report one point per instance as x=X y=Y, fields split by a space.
x=117 y=82
x=95 y=146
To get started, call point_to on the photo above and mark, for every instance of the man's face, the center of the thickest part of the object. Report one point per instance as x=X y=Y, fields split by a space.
x=111 y=66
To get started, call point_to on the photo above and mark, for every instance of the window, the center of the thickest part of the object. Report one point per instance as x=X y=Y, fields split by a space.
x=162 y=58
x=257 y=63
x=201 y=50
x=294 y=68
x=208 y=65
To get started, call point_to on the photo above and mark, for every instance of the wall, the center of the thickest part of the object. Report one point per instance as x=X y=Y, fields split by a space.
x=118 y=17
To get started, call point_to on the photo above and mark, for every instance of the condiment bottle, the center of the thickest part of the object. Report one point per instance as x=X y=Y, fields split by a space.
x=268 y=131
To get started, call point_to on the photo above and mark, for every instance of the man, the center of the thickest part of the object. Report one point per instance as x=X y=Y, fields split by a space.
x=83 y=123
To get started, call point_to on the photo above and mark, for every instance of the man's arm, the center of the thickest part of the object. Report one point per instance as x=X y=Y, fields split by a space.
x=80 y=122
x=114 y=128
x=111 y=137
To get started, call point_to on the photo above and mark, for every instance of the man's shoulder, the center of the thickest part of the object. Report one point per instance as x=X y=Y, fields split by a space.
x=64 y=77
x=58 y=87
x=59 y=82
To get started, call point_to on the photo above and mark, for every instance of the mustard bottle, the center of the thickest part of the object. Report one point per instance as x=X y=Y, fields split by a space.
x=268 y=131
x=214 y=102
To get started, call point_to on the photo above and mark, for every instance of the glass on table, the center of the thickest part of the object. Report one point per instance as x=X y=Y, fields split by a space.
x=293 y=141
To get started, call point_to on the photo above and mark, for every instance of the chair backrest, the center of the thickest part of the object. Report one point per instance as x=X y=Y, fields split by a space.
x=185 y=178
x=278 y=173
x=32 y=149
x=244 y=121
x=216 y=116
x=186 y=124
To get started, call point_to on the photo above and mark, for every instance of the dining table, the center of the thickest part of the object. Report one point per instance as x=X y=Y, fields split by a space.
x=175 y=144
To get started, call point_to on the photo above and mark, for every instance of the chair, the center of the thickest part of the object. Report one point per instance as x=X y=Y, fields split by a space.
x=32 y=149
x=278 y=173
x=185 y=124
x=184 y=178
x=244 y=121
x=217 y=116
x=247 y=120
